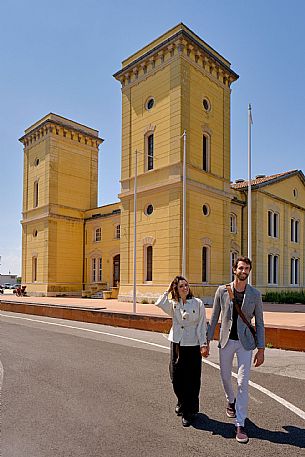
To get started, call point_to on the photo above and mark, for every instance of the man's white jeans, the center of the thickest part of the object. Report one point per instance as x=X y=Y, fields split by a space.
x=244 y=359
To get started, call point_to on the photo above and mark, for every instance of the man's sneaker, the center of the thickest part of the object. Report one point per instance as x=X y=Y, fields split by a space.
x=231 y=411
x=241 y=435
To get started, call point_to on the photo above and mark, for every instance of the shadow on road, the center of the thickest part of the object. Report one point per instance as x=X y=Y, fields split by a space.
x=204 y=422
x=292 y=435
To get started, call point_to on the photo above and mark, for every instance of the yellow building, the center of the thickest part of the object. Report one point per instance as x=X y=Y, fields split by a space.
x=176 y=84
x=278 y=222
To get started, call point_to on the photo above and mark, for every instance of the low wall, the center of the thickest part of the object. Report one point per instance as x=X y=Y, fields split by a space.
x=278 y=337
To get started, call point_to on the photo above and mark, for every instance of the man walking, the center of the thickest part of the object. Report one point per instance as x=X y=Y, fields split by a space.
x=238 y=303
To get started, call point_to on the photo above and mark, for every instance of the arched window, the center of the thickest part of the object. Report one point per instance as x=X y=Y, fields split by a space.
x=98 y=234
x=36 y=194
x=205 y=264
x=148 y=263
x=149 y=149
x=273 y=224
x=294 y=230
x=205 y=152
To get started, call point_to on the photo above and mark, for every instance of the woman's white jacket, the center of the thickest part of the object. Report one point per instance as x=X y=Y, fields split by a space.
x=189 y=326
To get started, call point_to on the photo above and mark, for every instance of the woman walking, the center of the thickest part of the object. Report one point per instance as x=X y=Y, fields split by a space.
x=188 y=344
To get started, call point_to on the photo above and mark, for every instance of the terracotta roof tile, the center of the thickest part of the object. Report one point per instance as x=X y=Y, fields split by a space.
x=262 y=180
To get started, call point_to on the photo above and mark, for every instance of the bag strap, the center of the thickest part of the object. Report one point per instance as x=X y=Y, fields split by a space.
x=239 y=311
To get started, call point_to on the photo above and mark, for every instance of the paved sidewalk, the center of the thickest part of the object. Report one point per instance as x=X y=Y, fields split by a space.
x=277 y=315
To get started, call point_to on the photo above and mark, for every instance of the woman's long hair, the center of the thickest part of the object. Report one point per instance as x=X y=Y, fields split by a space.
x=173 y=288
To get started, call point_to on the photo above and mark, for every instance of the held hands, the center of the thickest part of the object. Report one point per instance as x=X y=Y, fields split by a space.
x=205 y=351
x=259 y=358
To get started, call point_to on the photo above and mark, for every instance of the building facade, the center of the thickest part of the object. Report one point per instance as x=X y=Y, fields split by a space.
x=175 y=103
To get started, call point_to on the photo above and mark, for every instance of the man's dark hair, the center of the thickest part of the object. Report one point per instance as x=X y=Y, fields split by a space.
x=242 y=259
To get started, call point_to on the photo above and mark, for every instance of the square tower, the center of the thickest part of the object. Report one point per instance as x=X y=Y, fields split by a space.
x=59 y=185
x=176 y=84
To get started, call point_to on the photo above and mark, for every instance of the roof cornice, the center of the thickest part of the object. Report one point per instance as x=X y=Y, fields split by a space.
x=183 y=43
x=50 y=125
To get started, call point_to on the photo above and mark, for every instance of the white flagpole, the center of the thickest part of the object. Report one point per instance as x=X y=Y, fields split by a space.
x=135 y=235
x=249 y=190
x=184 y=206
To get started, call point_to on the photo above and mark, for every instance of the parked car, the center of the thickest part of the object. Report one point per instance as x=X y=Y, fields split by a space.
x=1 y=289
x=15 y=286
x=7 y=285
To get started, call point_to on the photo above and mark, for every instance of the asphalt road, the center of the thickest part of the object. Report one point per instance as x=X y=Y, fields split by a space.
x=86 y=390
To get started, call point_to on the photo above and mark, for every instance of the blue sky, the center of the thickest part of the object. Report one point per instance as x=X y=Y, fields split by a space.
x=60 y=56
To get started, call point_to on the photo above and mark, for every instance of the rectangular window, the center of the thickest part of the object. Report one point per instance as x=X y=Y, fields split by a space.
x=269 y=269
x=204 y=153
x=292 y=229
x=270 y=223
x=275 y=225
x=118 y=232
x=93 y=270
x=34 y=269
x=233 y=223
x=233 y=257
x=149 y=259
x=204 y=264
x=296 y=231
x=150 y=152
x=273 y=267
x=99 y=271
x=36 y=194
x=294 y=271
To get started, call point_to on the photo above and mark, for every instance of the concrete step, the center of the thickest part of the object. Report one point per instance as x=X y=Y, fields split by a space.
x=97 y=295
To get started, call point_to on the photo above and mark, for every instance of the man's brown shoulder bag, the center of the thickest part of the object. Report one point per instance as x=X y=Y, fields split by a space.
x=240 y=313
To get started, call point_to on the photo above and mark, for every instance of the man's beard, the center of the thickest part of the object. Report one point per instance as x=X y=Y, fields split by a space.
x=242 y=276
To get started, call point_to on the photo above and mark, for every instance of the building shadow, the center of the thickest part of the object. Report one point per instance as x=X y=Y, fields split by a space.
x=291 y=435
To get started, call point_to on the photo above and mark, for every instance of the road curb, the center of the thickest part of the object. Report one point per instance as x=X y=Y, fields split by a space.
x=289 y=338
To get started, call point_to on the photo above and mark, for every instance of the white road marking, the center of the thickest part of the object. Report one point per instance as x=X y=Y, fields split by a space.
x=85 y=329
x=255 y=399
x=267 y=392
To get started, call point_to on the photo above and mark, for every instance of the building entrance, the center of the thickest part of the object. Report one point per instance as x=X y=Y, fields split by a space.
x=116 y=270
